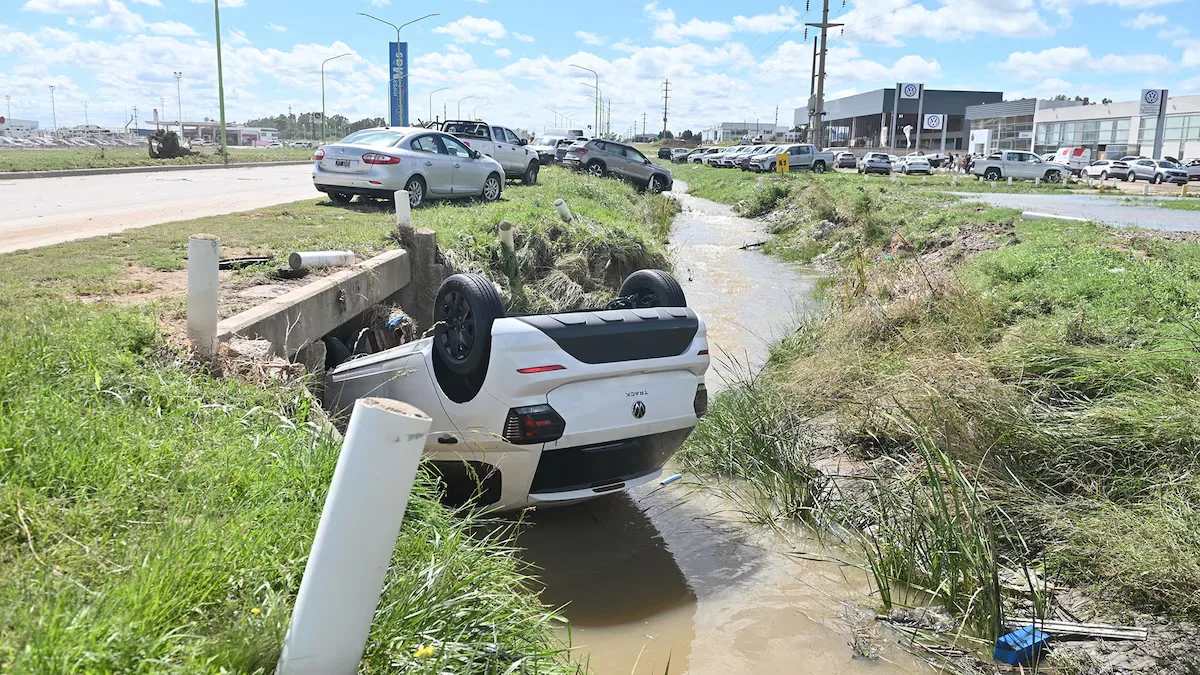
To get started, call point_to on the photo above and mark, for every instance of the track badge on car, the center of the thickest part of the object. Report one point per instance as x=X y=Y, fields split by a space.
x=639 y=409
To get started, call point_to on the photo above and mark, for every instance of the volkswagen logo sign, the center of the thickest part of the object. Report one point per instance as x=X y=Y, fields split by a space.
x=1152 y=96
x=639 y=409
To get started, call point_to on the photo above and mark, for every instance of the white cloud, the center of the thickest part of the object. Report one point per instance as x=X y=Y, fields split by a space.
x=871 y=22
x=172 y=28
x=118 y=19
x=705 y=30
x=793 y=60
x=1126 y=4
x=503 y=52
x=659 y=15
x=63 y=6
x=237 y=37
x=1145 y=20
x=473 y=29
x=379 y=3
x=276 y=27
x=589 y=38
x=1173 y=33
x=783 y=19
x=523 y=37
x=152 y=3
x=1029 y=65
x=224 y=3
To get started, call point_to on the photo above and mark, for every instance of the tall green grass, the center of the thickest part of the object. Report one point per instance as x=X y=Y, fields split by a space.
x=157 y=519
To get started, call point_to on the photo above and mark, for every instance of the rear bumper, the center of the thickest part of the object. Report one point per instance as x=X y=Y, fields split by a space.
x=595 y=470
x=371 y=182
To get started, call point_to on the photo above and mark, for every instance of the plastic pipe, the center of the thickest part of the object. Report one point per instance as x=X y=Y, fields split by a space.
x=506 y=236
x=204 y=253
x=564 y=211
x=353 y=547
x=403 y=210
x=301 y=259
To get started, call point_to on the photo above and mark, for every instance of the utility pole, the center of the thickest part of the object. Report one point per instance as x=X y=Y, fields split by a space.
x=8 y=102
x=608 y=119
x=221 y=84
x=53 y=113
x=812 y=92
x=643 y=124
x=85 y=116
x=666 y=97
x=179 y=99
x=820 y=113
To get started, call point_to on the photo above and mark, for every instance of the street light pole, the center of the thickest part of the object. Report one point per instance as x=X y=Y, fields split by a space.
x=473 y=115
x=460 y=104
x=221 y=84
x=431 y=100
x=596 y=129
x=323 y=91
x=403 y=75
x=179 y=99
x=85 y=116
x=53 y=113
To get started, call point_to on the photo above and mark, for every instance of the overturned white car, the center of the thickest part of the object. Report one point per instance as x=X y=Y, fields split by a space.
x=545 y=409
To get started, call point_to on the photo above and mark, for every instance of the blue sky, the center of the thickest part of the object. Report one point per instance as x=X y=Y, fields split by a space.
x=726 y=61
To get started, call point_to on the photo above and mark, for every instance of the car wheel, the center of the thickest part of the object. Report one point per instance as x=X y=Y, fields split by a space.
x=463 y=313
x=596 y=169
x=819 y=167
x=771 y=168
x=1132 y=177
x=416 y=191
x=992 y=174
x=340 y=197
x=1158 y=179
x=1053 y=177
x=653 y=288
x=904 y=170
x=531 y=174
x=655 y=185
x=492 y=188
x=1103 y=176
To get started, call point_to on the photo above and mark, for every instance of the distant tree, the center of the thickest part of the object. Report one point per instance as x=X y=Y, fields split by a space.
x=666 y=135
x=1106 y=101
x=687 y=135
x=1061 y=97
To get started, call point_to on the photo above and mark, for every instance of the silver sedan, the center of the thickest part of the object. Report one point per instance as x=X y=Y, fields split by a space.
x=428 y=164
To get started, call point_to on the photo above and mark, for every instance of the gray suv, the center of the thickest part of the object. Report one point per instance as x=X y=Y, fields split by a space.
x=1156 y=171
x=602 y=158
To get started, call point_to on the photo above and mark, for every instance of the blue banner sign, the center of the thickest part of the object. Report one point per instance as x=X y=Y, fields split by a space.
x=398 y=87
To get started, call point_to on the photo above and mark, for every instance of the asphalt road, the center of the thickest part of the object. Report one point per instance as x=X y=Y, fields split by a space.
x=1110 y=210
x=42 y=211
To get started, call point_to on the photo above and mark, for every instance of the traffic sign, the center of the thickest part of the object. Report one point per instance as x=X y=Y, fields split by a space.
x=935 y=122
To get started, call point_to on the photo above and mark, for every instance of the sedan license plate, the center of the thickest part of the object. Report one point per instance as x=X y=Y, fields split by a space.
x=342 y=163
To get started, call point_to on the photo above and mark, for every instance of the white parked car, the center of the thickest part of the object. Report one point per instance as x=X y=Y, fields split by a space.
x=1103 y=169
x=545 y=409
x=429 y=164
x=301 y=144
x=913 y=163
x=1193 y=169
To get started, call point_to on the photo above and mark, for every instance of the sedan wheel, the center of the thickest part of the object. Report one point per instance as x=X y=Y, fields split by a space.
x=491 y=188
x=416 y=192
x=595 y=169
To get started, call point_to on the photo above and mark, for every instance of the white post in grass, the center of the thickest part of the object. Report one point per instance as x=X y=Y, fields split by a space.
x=564 y=211
x=506 y=236
x=355 y=538
x=1146 y=190
x=403 y=210
x=204 y=253
x=1010 y=181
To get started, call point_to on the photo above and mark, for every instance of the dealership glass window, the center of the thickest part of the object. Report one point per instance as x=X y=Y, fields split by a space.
x=1005 y=132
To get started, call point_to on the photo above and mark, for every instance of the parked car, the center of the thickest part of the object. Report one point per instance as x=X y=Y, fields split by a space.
x=274 y=144
x=1193 y=169
x=1104 y=168
x=713 y=158
x=734 y=160
x=698 y=156
x=745 y=163
x=202 y=143
x=601 y=158
x=680 y=155
x=913 y=163
x=801 y=157
x=1156 y=171
x=545 y=409
x=545 y=146
x=1019 y=165
x=844 y=160
x=564 y=145
x=1075 y=159
x=499 y=143
x=427 y=163
x=875 y=162
x=6 y=142
x=664 y=152
x=300 y=144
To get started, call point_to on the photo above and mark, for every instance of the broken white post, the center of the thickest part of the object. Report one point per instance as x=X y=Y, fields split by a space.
x=1146 y=190
x=1037 y=181
x=301 y=259
x=353 y=546
x=506 y=236
x=1010 y=181
x=954 y=180
x=403 y=210
x=993 y=185
x=204 y=252
x=564 y=211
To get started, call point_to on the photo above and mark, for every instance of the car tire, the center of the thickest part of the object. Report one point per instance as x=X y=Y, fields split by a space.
x=655 y=185
x=340 y=197
x=1053 y=177
x=653 y=288
x=531 y=174
x=596 y=169
x=818 y=167
x=1131 y=177
x=1103 y=176
x=464 y=310
x=1158 y=179
x=992 y=174
x=904 y=170
x=493 y=187
x=416 y=191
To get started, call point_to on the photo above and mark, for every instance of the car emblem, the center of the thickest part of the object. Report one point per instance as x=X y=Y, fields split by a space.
x=639 y=409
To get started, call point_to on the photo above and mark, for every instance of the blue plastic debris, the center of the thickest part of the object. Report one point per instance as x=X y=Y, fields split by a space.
x=1021 y=646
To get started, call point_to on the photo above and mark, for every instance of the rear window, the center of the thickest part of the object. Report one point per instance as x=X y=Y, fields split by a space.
x=467 y=129
x=1167 y=165
x=373 y=137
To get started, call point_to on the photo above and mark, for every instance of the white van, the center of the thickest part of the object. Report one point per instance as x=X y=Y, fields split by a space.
x=1077 y=159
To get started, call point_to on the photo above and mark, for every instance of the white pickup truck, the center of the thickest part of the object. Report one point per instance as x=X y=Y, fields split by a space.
x=1019 y=165
x=499 y=143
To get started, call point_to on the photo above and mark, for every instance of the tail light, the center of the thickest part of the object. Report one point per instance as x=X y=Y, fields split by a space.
x=700 y=403
x=319 y=154
x=581 y=151
x=533 y=424
x=540 y=369
x=467 y=143
x=376 y=158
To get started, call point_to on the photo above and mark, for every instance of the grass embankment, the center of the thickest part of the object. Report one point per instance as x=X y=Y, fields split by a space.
x=57 y=159
x=617 y=231
x=157 y=518
x=1023 y=393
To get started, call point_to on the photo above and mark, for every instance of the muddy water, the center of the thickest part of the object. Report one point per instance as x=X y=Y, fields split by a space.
x=672 y=574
